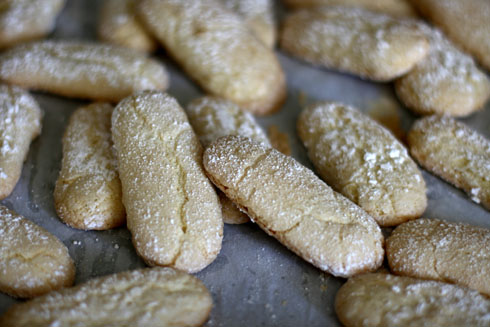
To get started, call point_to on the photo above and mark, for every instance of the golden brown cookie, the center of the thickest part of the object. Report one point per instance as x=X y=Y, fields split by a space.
x=353 y=40
x=217 y=50
x=81 y=70
x=32 y=261
x=143 y=298
x=362 y=160
x=289 y=202
x=388 y=300
x=441 y=250
x=172 y=209
x=455 y=152
x=88 y=193
x=20 y=123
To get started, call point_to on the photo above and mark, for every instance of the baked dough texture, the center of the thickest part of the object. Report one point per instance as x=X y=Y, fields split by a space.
x=81 y=70
x=119 y=25
x=446 y=82
x=356 y=41
x=172 y=208
x=144 y=298
x=464 y=21
x=362 y=160
x=454 y=152
x=88 y=194
x=386 y=300
x=441 y=250
x=25 y=20
x=290 y=203
x=216 y=49
x=20 y=123
x=32 y=261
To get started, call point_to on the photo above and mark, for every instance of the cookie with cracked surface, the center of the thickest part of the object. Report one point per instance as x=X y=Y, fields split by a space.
x=446 y=82
x=172 y=209
x=364 y=161
x=32 y=260
x=371 y=45
x=464 y=22
x=82 y=70
x=387 y=300
x=290 y=203
x=20 y=123
x=215 y=47
x=25 y=20
x=145 y=297
x=454 y=152
x=441 y=250
x=87 y=194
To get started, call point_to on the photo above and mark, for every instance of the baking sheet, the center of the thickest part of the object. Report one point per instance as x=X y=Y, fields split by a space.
x=255 y=281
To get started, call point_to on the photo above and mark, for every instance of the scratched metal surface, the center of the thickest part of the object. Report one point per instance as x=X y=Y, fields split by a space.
x=255 y=281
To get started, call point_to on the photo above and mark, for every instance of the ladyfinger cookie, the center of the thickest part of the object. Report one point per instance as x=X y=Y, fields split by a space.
x=441 y=250
x=24 y=20
x=362 y=160
x=258 y=16
x=81 y=70
x=88 y=192
x=454 y=152
x=464 y=22
x=289 y=202
x=146 y=297
x=446 y=82
x=32 y=261
x=172 y=209
x=387 y=300
x=213 y=117
x=217 y=50
x=20 y=123
x=119 y=25
x=353 y=40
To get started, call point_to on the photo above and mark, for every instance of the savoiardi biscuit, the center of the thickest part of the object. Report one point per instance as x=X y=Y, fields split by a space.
x=216 y=49
x=441 y=250
x=20 y=123
x=291 y=203
x=32 y=261
x=356 y=41
x=364 y=161
x=81 y=70
x=455 y=152
x=145 y=298
x=87 y=193
x=172 y=209
x=386 y=300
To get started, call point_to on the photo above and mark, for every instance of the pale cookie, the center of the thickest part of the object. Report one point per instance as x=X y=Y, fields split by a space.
x=386 y=300
x=213 y=117
x=445 y=251
x=360 y=42
x=362 y=160
x=466 y=22
x=88 y=192
x=24 y=20
x=446 y=82
x=119 y=25
x=81 y=70
x=172 y=209
x=32 y=261
x=396 y=8
x=20 y=123
x=289 y=202
x=216 y=49
x=258 y=16
x=454 y=152
x=146 y=297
